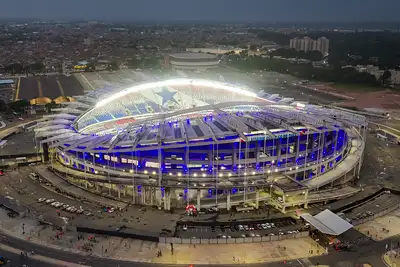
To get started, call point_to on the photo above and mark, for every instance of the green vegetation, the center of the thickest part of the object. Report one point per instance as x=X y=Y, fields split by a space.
x=17 y=106
x=358 y=48
x=17 y=68
x=303 y=71
x=293 y=53
x=356 y=87
x=145 y=63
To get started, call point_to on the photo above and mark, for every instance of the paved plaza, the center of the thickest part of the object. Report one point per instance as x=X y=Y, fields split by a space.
x=146 y=251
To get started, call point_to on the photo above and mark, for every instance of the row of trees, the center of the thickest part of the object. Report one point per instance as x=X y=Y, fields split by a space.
x=17 y=68
x=293 y=53
x=16 y=106
x=304 y=71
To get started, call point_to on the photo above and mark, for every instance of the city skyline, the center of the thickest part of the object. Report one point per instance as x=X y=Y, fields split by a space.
x=206 y=10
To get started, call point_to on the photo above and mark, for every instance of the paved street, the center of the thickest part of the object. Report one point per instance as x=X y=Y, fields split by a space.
x=368 y=254
x=17 y=261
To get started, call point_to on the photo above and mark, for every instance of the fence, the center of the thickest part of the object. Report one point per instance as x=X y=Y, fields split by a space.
x=376 y=215
x=237 y=240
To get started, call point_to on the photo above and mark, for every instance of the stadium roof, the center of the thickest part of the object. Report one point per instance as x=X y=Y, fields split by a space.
x=192 y=55
x=328 y=222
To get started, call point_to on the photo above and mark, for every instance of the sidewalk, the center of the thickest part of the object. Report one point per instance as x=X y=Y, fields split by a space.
x=75 y=190
x=146 y=251
x=391 y=258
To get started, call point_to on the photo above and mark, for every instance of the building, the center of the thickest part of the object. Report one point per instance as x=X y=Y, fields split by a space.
x=180 y=142
x=308 y=44
x=191 y=61
x=88 y=41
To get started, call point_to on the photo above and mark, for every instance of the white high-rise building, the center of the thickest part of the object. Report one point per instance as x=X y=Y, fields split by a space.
x=308 y=44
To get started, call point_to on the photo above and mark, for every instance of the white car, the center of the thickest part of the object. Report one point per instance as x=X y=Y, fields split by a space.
x=50 y=200
x=69 y=208
x=184 y=228
x=42 y=199
x=80 y=211
x=59 y=204
x=65 y=206
x=55 y=203
x=73 y=210
x=33 y=176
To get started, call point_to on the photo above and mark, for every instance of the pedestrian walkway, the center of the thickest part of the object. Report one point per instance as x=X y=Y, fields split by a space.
x=76 y=191
x=392 y=258
x=145 y=251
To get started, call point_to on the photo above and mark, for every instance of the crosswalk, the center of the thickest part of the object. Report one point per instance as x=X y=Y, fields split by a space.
x=305 y=262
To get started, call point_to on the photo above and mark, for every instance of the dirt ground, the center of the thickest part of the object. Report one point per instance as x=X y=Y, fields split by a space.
x=383 y=227
x=384 y=99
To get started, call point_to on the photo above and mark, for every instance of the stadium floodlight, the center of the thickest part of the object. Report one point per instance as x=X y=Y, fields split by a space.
x=145 y=172
x=177 y=82
x=195 y=175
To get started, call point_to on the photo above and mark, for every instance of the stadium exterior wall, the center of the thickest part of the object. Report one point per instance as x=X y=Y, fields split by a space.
x=189 y=179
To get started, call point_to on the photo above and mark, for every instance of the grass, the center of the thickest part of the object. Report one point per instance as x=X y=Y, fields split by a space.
x=356 y=87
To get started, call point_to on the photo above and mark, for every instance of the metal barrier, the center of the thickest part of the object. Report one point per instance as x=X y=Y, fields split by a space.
x=237 y=240
x=376 y=215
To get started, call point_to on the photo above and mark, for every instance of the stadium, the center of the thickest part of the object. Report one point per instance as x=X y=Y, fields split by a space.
x=191 y=61
x=181 y=142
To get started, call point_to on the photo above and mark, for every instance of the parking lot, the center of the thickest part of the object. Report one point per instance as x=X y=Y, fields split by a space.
x=282 y=227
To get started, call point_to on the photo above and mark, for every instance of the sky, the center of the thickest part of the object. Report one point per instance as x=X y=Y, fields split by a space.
x=204 y=10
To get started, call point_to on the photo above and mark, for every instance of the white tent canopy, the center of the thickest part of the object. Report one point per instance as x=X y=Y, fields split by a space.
x=327 y=222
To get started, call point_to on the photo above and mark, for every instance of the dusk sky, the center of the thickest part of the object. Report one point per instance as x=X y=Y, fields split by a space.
x=204 y=10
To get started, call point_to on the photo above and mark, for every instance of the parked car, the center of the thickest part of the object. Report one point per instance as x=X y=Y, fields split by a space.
x=42 y=199
x=51 y=200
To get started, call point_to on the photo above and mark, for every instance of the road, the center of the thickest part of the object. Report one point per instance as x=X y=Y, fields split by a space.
x=367 y=253
x=17 y=261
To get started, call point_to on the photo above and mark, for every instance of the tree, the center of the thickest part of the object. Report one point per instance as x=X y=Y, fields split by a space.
x=386 y=77
x=14 y=68
x=3 y=106
x=36 y=67
x=50 y=106
x=253 y=47
x=19 y=105
x=90 y=66
x=113 y=65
